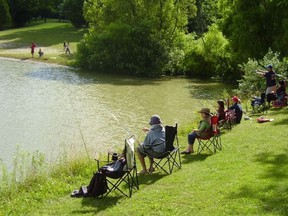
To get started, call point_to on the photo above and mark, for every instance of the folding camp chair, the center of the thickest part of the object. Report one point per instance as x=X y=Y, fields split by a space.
x=213 y=142
x=127 y=175
x=229 y=121
x=171 y=156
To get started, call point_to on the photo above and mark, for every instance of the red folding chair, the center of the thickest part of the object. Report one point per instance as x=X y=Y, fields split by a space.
x=212 y=143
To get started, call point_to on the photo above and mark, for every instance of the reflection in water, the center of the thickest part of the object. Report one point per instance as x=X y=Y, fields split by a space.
x=58 y=110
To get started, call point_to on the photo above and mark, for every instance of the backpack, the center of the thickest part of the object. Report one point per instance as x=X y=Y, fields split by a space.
x=98 y=183
x=97 y=187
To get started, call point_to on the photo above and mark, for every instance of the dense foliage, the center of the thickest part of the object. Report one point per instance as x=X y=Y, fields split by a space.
x=253 y=83
x=200 y=38
x=145 y=38
x=72 y=10
x=5 y=17
x=203 y=38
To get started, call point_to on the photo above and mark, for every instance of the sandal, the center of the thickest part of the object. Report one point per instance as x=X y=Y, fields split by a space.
x=185 y=152
x=151 y=170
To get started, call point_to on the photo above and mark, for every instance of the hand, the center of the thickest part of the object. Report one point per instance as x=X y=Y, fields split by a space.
x=145 y=129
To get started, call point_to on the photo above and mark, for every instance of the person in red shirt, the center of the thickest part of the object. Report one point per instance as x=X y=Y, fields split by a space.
x=33 y=45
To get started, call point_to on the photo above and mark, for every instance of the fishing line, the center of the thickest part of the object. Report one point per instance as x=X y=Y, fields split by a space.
x=118 y=121
x=200 y=102
x=78 y=124
x=135 y=96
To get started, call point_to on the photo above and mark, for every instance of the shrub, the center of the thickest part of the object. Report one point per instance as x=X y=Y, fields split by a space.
x=251 y=84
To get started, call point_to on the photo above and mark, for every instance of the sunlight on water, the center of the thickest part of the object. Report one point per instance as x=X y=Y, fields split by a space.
x=57 y=110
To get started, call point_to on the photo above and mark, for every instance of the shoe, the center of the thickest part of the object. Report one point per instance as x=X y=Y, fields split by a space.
x=151 y=170
x=142 y=172
x=185 y=152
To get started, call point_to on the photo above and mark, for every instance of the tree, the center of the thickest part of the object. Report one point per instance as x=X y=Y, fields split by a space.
x=22 y=11
x=5 y=18
x=254 y=26
x=72 y=9
x=135 y=36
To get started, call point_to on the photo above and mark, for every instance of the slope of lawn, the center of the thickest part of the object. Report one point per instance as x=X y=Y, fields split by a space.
x=49 y=36
x=248 y=177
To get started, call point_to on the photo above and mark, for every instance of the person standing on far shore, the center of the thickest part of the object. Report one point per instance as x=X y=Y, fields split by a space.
x=67 y=51
x=33 y=45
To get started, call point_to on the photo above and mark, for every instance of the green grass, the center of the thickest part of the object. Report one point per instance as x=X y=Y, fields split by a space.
x=248 y=177
x=49 y=36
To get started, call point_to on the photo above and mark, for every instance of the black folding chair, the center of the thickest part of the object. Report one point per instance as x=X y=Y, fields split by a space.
x=171 y=157
x=126 y=175
x=213 y=142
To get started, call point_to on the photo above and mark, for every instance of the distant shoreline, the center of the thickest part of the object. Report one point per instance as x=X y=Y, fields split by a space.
x=31 y=61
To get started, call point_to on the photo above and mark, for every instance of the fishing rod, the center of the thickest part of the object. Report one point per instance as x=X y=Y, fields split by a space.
x=263 y=72
x=78 y=124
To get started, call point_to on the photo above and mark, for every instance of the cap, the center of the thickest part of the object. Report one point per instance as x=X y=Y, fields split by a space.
x=205 y=110
x=269 y=66
x=235 y=99
x=155 y=119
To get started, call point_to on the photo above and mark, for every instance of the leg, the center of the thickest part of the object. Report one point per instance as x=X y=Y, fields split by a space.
x=191 y=139
x=151 y=168
x=142 y=160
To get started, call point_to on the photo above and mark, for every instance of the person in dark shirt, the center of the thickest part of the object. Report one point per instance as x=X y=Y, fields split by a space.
x=270 y=77
x=220 y=110
x=238 y=109
x=281 y=90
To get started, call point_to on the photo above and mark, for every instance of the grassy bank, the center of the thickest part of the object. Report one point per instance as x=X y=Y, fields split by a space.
x=248 y=177
x=49 y=36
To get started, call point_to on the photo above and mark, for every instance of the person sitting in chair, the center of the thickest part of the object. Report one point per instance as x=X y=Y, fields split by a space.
x=281 y=90
x=203 y=131
x=221 y=110
x=238 y=109
x=154 y=143
x=40 y=52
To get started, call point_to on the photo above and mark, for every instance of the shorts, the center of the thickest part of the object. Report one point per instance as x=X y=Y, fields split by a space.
x=270 y=89
x=148 y=151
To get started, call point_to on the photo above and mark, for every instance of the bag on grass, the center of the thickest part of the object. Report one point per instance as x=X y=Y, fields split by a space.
x=97 y=187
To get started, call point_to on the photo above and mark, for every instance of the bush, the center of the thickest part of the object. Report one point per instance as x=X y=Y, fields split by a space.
x=125 y=50
x=251 y=84
x=209 y=55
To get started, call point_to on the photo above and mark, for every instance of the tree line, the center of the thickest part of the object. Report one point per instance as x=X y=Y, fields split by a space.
x=197 y=38
x=203 y=38
x=17 y=13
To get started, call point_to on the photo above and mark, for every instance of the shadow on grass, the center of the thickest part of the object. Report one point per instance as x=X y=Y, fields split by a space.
x=97 y=204
x=100 y=204
x=194 y=157
x=43 y=36
x=273 y=196
x=151 y=178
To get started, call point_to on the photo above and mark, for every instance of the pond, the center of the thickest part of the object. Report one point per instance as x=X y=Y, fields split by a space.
x=57 y=110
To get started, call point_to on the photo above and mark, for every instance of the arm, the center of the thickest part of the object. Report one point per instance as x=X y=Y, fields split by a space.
x=201 y=127
x=145 y=129
x=260 y=72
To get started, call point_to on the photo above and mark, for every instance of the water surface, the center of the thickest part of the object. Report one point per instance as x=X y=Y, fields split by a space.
x=57 y=110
